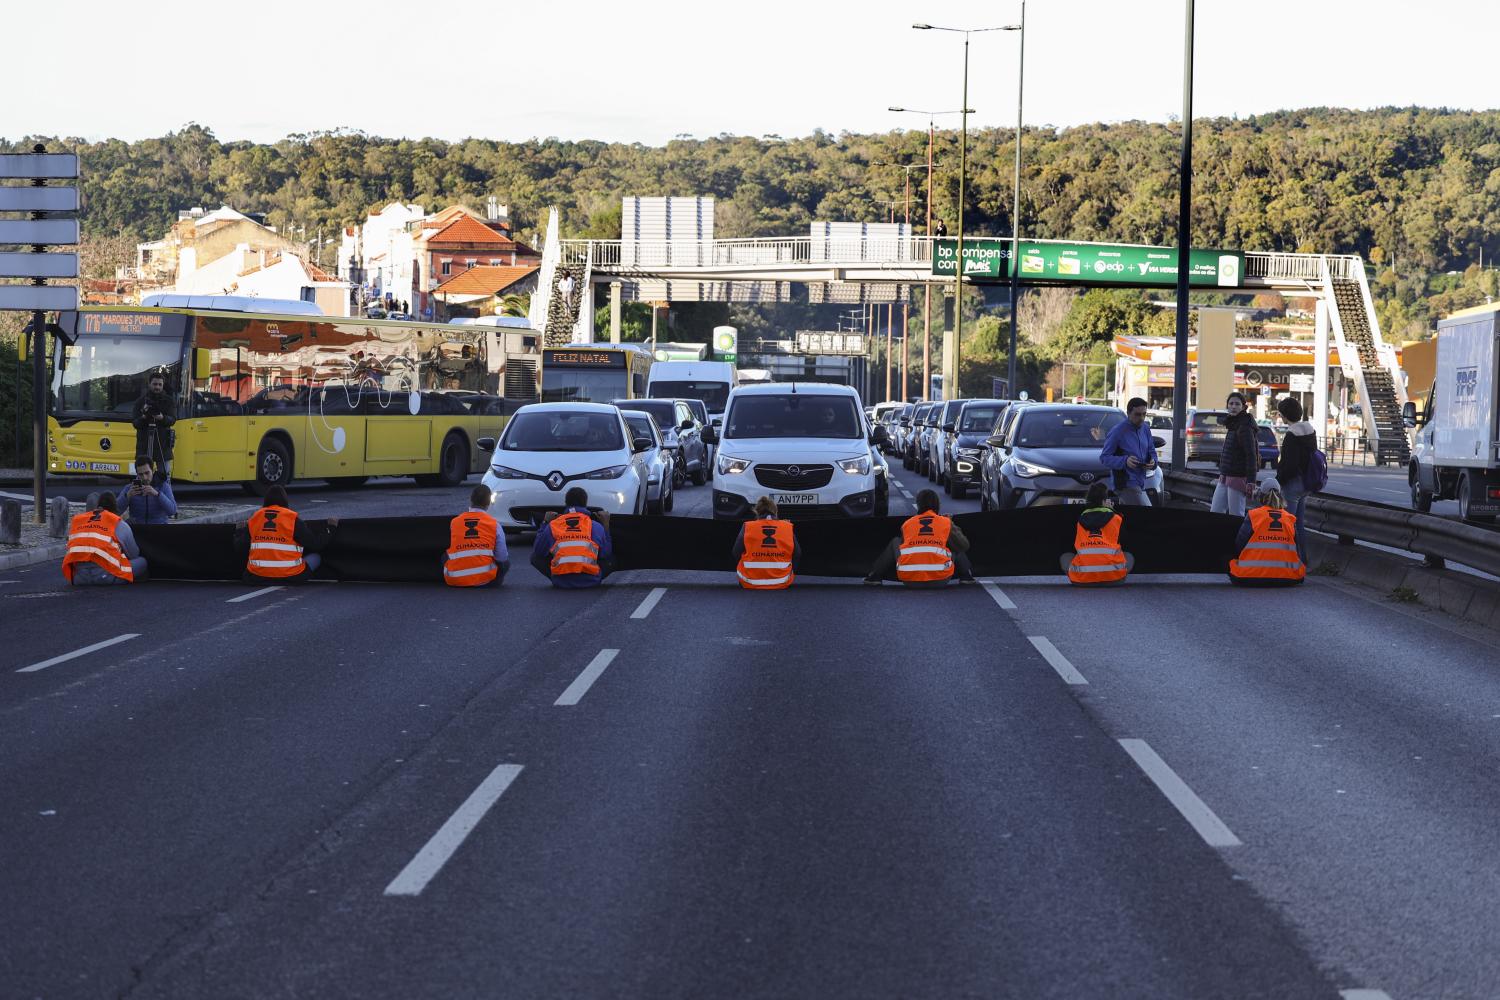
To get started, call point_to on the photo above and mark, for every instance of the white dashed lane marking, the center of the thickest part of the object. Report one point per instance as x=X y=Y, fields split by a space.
x=451 y=835
x=1059 y=662
x=253 y=593
x=580 y=686
x=1006 y=604
x=1193 y=809
x=649 y=603
x=86 y=650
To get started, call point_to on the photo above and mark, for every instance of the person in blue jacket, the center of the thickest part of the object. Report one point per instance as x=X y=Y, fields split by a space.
x=1131 y=454
x=148 y=499
x=570 y=562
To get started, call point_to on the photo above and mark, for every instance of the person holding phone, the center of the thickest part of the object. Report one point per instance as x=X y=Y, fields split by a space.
x=149 y=498
x=1130 y=454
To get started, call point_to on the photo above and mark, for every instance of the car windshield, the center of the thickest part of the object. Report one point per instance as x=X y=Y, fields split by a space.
x=1266 y=435
x=793 y=415
x=562 y=431
x=1208 y=418
x=714 y=394
x=663 y=410
x=1065 y=428
x=642 y=425
x=979 y=419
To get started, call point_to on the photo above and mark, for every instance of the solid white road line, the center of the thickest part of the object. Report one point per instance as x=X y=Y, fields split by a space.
x=1199 y=816
x=1006 y=604
x=1363 y=994
x=253 y=593
x=575 y=692
x=649 y=602
x=77 y=653
x=450 y=836
x=1059 y=662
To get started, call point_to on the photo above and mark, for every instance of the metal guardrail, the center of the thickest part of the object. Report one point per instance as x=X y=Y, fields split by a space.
x=1439 y=539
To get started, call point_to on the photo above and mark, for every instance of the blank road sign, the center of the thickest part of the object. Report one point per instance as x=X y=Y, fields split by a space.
x=30 y=199
x=44 y=165
x=38 y=265
x=46 y=298
x=49 y=232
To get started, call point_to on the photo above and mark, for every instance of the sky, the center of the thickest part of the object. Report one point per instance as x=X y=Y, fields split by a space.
x=648 y=70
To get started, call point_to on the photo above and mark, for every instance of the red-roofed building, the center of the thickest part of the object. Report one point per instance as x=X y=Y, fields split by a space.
x=476 y=291
x=463 y=242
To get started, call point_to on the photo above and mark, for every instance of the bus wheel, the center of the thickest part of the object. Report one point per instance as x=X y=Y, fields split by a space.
x=453 y=464
x=273 y=467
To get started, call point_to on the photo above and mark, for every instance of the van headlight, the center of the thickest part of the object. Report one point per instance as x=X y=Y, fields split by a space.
x=856 y=466
x=729 y=466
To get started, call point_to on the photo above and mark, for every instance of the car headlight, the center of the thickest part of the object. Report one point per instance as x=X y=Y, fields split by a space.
x=506 y=472
x=613 y=472
x=969 y=452
x=732 y=466
x=856 y=466
x=1026 y=470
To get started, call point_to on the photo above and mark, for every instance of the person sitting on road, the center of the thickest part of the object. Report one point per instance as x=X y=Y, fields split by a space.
x=149 y=499
x=1267 y=543
x=930 y=551
x=1097 y=558
x=101 y=548
x=767 y=550
x=477 y=555
x=572 y=548
x=1130 y=453
x=279 y=546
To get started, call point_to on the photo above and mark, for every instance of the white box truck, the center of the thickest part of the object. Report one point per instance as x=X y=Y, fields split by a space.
x=1457 y=451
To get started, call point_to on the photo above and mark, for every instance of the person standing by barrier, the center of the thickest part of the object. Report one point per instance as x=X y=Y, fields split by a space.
x=477 y=555
x=572 y=549
x=1267 y=544
x=101 y=548
x=1131 y=453
x=930 y=551
x=1097 y=557
x=280 y=547
x=1298 y=447
x=149 y=499
x=767 y=550
x=153 y=416
x=1239 y=460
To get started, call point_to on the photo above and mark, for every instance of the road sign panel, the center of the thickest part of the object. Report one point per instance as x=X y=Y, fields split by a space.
x=34 y=199
x=38 y=265
x=31 y=298
x=48 y=232
x=60 y=166
x=1089 y=263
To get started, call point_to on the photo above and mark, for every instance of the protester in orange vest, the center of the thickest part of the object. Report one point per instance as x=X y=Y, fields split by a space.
x=1268 y=543
x=1097 y=557
x=280 y=547
x=767 y=550
x=101 y=548
x=929 y=553
x=572 y=549
x=477 y=555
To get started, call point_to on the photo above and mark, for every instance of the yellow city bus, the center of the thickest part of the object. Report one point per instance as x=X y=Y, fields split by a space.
x=263 y=398
x=594 y=373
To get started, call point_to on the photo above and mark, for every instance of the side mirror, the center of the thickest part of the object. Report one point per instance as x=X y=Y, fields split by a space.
x=486 y=444
x=948 y=428
x=879 y=435
x=995 y=441
x=1159 y=442
x=686 y=425
x=1409 y=413
x=710 y=435
x=642 y=444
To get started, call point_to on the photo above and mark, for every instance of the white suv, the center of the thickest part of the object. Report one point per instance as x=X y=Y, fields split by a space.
x=548 y=448
x=805 y=444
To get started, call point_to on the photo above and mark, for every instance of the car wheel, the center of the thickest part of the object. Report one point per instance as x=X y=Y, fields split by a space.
x=984 y=499
x=1007 y=502
x=959 y=492
x=701 y=475
x=670 y=501
x=947 y=485
x=883 y=506
x=1421 y=500
x=273 y=467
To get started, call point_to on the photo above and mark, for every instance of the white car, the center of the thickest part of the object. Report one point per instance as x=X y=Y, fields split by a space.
x=807 y=445
x=548 y=448
x=661 y=464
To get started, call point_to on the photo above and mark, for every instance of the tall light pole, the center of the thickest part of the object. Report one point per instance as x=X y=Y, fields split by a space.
x=1184 y=249
x=927 y=285
x=951 y=391
x=1015 y=213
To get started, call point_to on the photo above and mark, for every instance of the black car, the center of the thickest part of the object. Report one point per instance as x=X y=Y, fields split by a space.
x=965 y=444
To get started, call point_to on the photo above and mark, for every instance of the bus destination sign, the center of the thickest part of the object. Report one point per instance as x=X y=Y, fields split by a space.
x=589 y=359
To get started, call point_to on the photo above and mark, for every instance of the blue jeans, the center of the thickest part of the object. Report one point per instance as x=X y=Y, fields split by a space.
x=1296 y=502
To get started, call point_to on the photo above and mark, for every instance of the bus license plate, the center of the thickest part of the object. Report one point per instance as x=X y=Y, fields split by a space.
x=794 y=499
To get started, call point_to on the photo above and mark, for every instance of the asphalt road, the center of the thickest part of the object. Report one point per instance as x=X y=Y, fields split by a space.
x=1170 y=789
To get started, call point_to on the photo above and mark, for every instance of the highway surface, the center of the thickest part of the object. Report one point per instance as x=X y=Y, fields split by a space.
x=670 y=788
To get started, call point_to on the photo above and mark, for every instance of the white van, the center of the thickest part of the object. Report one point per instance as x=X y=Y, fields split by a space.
x=710 y=381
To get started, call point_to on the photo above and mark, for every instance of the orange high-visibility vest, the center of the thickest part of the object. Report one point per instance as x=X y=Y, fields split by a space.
x=274 y=552
x=1271 y=553
x=767 y=560
x=924 y=555
x=573 y=547
x=1097 y=556
x=91 y=539
x=471 y=550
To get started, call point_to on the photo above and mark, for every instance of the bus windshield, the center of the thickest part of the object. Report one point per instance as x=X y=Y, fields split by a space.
x=102 y=376
x=575 y=385
x=713 y=394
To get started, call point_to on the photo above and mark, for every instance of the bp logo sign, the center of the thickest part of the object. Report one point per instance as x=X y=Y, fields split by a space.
x=726 y=341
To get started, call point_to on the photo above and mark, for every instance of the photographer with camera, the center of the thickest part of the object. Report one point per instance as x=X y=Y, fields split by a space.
x=154 y=414
x=148 y=499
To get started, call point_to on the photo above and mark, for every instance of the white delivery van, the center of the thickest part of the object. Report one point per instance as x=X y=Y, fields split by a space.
x=710 y=381
x=1457 y=452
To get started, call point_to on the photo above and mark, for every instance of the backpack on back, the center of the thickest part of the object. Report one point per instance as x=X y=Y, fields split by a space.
x=1316 y=475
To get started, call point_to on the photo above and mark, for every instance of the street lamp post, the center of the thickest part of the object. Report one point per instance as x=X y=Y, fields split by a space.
x=952 y=391
x=1015 y=213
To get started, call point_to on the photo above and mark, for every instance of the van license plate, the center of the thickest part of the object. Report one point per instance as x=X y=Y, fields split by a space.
x=794 y=499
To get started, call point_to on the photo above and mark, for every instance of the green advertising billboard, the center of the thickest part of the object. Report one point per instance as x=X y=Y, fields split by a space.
x=988 y=259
